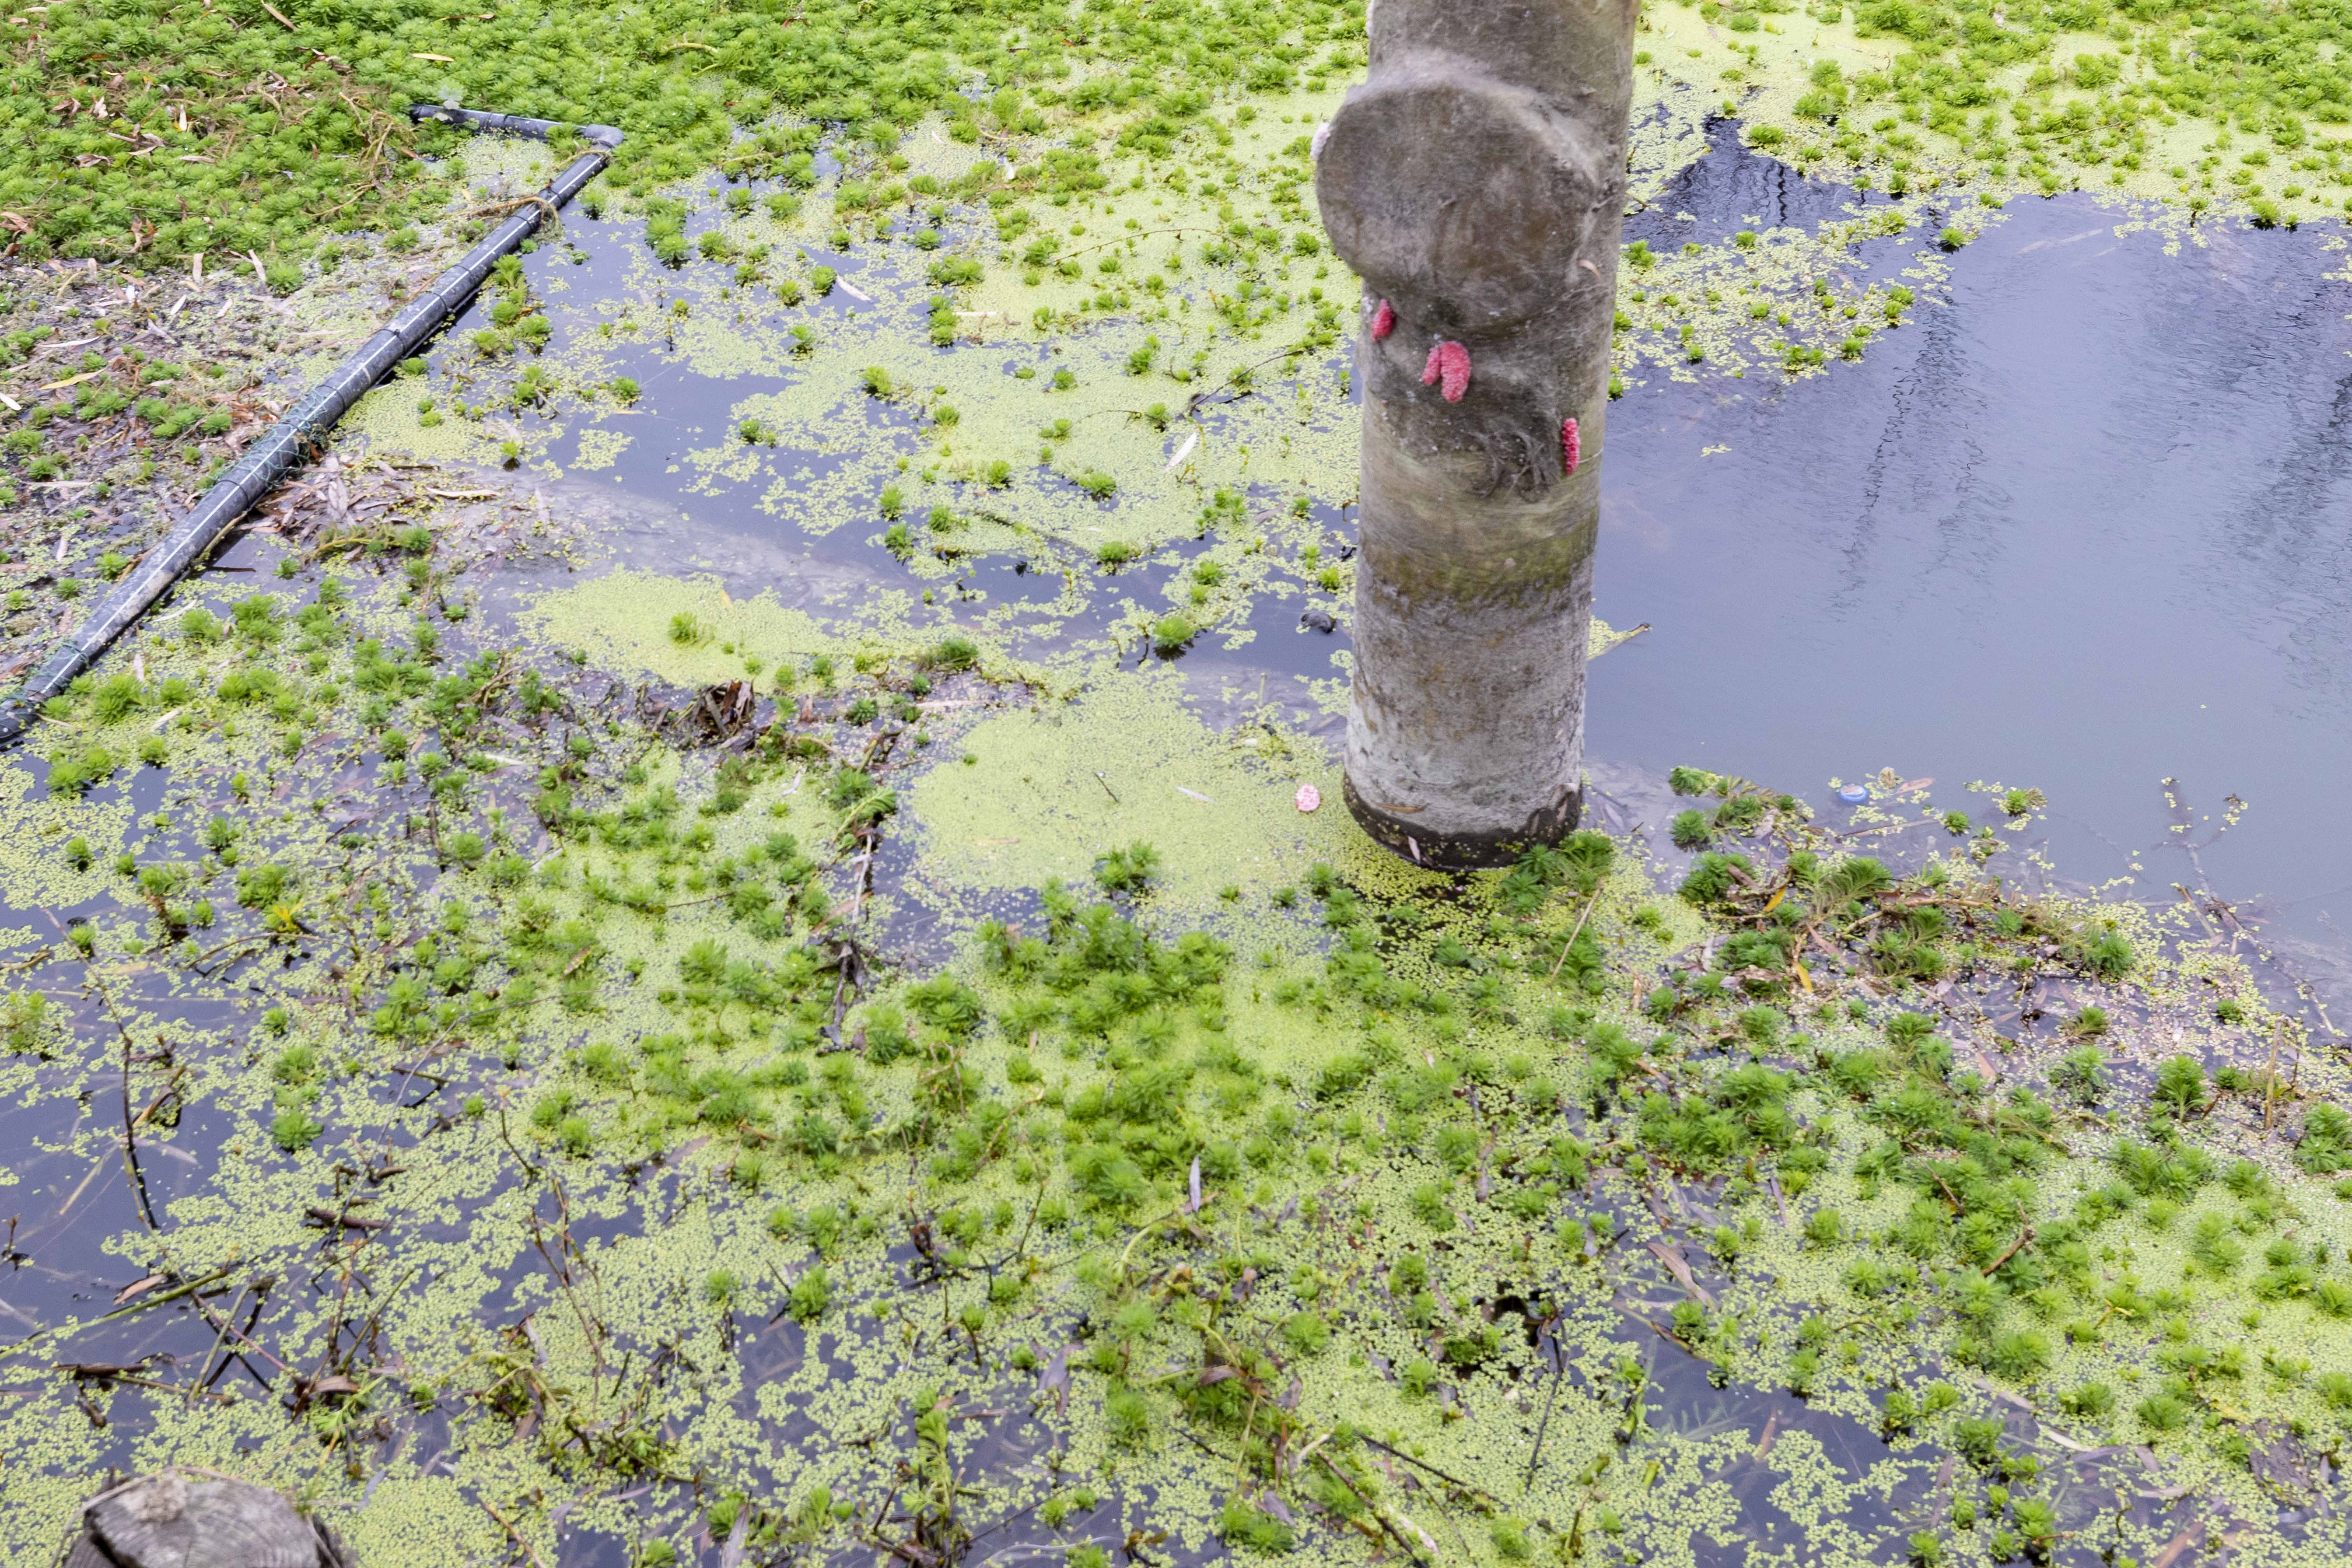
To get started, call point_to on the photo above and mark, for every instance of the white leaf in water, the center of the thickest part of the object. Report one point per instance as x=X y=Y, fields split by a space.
x=1183 y=451
x=853 y=290
x=1196 y=794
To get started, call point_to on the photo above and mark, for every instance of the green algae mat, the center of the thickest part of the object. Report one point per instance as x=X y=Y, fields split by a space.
x=757 y=1052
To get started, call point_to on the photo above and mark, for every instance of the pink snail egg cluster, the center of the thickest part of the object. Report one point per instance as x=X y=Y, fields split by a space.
x=1448 y=369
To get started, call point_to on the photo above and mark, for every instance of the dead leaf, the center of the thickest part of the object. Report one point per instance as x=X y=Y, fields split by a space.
x=1673 y=1258
x=139 y=1288
x=443 y=59
x=2179 y=1546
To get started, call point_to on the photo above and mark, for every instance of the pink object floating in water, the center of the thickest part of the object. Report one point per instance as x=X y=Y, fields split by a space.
x=1309 y=797
x=1383 y=321
x=1571 y=447
x=1448 y=369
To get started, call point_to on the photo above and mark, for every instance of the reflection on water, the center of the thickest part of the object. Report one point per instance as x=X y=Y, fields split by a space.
x=2081 y=530
x=1730 y=189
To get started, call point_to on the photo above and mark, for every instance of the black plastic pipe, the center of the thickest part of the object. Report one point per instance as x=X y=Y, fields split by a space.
x=304 y=428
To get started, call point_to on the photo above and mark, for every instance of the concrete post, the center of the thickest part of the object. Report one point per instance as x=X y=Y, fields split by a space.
x=1475 y=182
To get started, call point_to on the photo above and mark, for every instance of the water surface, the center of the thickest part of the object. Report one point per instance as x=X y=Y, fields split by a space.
x=2083 y=529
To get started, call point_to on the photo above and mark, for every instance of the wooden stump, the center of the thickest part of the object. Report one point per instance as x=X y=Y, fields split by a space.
x=183 y=1518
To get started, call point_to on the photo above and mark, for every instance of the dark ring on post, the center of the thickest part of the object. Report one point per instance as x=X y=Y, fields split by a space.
x=1463 y=851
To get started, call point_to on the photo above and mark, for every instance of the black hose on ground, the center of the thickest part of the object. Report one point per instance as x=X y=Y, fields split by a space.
x=305 y=426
